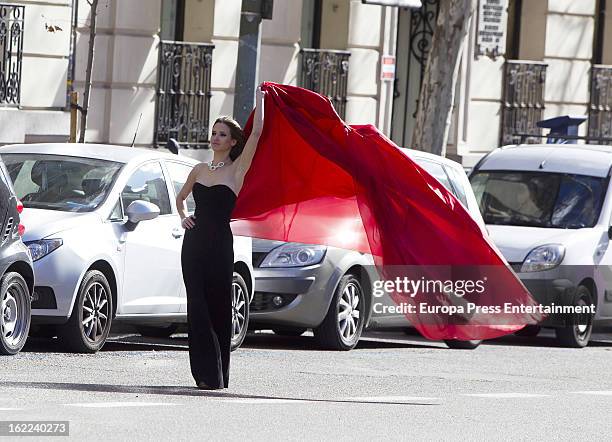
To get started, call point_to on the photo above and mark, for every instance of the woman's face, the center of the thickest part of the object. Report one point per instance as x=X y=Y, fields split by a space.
x=221 y=138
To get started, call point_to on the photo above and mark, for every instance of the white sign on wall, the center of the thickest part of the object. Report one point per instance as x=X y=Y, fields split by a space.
x=387 y=68
x=491 y=31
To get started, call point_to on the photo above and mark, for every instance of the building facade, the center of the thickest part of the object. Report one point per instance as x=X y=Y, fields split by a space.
x=553 y=60
x=166 y=68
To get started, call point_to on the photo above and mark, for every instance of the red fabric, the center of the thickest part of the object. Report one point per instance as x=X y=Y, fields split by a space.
x=316 y=180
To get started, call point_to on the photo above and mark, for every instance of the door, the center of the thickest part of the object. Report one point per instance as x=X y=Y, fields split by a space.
x=178 y=173
x=152 y=249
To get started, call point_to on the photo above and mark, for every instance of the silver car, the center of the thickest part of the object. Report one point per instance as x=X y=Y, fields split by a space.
x=105 y=237
x=328 y=289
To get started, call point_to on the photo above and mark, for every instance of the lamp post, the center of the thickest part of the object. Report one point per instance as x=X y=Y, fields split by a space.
x=249 y=46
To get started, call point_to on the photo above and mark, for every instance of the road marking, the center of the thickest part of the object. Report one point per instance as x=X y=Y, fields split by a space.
x=595 y=392
x=120 y=404
x=262 y=401
x=507 y=395
x=391 y=398
x=12 y=409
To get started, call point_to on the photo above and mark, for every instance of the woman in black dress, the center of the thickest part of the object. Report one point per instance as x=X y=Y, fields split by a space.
x=207 y=256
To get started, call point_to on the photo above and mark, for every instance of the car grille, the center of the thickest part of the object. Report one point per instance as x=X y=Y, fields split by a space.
x=43 y=298
x=516 y=266
x=258 y=258
x=7 y=229
x=263 y=301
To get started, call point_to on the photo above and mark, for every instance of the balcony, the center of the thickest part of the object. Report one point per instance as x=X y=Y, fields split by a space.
x=183 y=94
x=11 y=50
x=600 y=108
x=523 y=101
x=326 y=72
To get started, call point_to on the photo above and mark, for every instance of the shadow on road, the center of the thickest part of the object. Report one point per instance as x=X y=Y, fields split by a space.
x=269 y=341
x=275 y=342
x=182 y=391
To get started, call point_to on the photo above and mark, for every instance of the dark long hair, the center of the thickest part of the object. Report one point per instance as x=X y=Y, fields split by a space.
x=236 y=133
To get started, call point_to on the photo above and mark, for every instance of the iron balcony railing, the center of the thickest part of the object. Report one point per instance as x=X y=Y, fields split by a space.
x=11 y=51
x=183 y=94
x=326 y=72
x=523 y=101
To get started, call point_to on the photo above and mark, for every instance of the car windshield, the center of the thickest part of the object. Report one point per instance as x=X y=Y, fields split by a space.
x=539 y=199
x=55 y=182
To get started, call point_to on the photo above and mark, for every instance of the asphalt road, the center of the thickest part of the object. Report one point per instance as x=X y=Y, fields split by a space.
x=391 y=386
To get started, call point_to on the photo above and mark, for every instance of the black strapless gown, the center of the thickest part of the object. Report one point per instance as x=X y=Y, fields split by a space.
x=207 y=260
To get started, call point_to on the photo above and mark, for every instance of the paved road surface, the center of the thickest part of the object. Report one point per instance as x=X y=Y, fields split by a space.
x=392 y=386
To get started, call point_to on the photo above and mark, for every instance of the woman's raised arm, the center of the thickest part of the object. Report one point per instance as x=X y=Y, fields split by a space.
x=243 y=162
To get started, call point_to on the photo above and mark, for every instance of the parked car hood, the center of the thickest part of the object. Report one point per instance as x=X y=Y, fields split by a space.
x=40 y=223
x=515 y=242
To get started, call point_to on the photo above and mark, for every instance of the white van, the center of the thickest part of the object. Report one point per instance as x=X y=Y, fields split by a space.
x=548 y=209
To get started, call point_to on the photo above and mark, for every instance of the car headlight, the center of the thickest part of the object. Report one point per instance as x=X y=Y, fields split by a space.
x=543 y=258
x=294 y=255
x=43 y=247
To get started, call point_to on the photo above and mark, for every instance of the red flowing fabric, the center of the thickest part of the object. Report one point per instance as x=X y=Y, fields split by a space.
x=316 y=180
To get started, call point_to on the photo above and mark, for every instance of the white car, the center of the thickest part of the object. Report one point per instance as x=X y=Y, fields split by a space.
x=548 y=208
x=105 y=237
x=329 y=289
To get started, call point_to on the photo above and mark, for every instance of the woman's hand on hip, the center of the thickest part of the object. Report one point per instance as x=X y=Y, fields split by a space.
x=188 y=222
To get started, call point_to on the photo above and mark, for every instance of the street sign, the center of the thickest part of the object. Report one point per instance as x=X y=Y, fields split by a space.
x=396 y=3
x=490 y=35
x=387 y=68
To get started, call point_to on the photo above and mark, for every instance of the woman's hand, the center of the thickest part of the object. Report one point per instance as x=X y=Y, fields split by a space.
x=258 y=118
x=188 y=222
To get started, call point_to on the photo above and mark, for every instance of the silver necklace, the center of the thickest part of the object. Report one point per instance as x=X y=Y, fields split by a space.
x=212 y=166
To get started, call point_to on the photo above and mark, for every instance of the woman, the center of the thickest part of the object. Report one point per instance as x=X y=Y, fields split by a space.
x=207 y=257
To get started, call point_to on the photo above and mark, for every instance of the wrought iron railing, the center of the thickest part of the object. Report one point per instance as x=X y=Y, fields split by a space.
x=600 y=109
x=11 y=52
x=326 y=72
x=183 y=93
x=422 y=26
x=523 y=101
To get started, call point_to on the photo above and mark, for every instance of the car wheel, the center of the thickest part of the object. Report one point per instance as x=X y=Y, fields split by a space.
x=578 y=334
x=293 y=331
x=15 y=313
x=240 y=311
x=462 y=345
x=343 y=324
x=157 y=332
x=529 y=331
x=92 y=315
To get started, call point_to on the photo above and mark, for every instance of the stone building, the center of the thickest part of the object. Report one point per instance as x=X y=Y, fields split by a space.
x=168 y=67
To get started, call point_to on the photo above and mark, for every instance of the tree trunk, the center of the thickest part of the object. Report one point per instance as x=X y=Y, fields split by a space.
x=88 y=72
x=437 y=96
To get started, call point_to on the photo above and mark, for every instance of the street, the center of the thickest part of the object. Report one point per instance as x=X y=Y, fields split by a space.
x=392 y=386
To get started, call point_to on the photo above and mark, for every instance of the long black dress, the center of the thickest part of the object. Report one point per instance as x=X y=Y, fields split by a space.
x=207 y=260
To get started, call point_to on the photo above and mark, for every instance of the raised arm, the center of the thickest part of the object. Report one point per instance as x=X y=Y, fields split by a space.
x=243 y=162
x=184 y=193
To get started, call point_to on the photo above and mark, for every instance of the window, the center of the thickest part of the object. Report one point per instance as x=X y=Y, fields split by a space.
x=458 y=183
x=539 y=199
x=147 y=184
x=56 y=182
x=117 y=213
x=437 y=171
x=178 y=175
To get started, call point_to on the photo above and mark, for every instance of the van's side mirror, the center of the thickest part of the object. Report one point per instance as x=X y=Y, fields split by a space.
x=610 y=232
x=173 y=146
x=138 y=211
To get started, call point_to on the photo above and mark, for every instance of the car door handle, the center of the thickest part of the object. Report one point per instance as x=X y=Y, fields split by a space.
x=177 y=233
